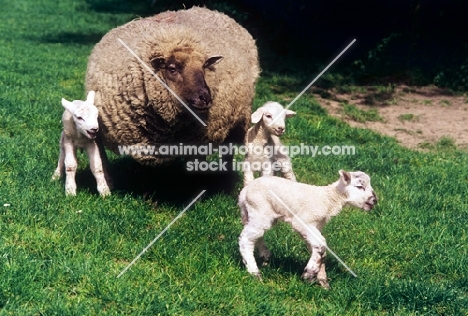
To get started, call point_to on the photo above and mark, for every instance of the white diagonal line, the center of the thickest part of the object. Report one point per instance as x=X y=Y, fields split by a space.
x=315 y=235
x=160 y=234
x=312 y=82
x=162 y=82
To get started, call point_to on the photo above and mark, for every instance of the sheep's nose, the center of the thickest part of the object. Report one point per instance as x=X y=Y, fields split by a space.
x=280 y=129
x=94 y=130
x=205 y=98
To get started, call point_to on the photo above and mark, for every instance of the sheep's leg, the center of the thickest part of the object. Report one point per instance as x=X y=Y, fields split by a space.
x=315 y=268
x=286 y=170
x=322 y=274
x=248 y=174
x=105 y=162
x=247 y=240
x=95 y=164
x=263 y=251
x=267 y=172
x=71 y=164
x=61 y=161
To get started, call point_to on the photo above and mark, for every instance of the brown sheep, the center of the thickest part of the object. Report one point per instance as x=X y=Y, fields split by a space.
x=204 y=56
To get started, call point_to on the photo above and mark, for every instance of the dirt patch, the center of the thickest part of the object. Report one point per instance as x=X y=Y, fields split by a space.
x=417 y=117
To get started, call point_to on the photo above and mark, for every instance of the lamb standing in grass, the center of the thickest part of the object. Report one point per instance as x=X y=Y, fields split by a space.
x=80 y=127
x=265 y=150
x=268 y=199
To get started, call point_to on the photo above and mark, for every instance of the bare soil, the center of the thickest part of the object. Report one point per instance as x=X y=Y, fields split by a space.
x=417 y=117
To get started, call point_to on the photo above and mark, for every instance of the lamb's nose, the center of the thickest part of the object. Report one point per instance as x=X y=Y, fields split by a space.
x=94 y=130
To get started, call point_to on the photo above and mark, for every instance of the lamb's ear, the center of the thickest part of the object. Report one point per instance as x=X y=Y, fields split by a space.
x=257 y=115
x=345 y=176
x=90 y=97
x=213 y=60
x=69 y=106
x=290 y=113
x=158 y=63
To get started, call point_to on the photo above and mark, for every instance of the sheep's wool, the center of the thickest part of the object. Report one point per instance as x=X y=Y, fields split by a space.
x=136 y=109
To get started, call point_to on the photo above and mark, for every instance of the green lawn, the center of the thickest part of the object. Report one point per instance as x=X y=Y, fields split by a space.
x=61 y=255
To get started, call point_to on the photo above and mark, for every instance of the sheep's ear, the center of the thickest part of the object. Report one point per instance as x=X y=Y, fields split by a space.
x=69 y=106
x=90 y=97
x=345 y=176
x=290 y=113
x=213 y=60
x=257 y=115
x=158 y=63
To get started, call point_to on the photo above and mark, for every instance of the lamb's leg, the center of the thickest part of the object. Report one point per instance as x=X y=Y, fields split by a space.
x=315 y=268
x=248 y=173
x=268 y=170
x=287 y=171
x=71 y=164
x=247 y=240
x=322 y=274
x=61 y=161
x=105 y=162
x=286 y=166
x=95 y=164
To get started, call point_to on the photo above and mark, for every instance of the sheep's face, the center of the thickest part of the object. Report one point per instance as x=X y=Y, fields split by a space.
x=85 y=115
x=184 y=73
x=358 y=189
x=86 y=119
x=273 y=115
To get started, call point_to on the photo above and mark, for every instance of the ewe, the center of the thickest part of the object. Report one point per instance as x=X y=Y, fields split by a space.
x=207 y=59
x=306 y=207
x=265 y=151
x=80 y=127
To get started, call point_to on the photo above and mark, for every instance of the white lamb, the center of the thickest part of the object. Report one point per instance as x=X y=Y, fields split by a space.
x=306 y=207
x=80 y=127
x=266 y=153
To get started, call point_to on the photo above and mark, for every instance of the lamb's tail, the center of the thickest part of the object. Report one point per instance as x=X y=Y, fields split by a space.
x=243 y=206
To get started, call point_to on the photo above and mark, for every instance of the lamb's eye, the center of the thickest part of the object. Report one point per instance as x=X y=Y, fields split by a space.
x=80 y=118
x=268 y=116
x=360 y=187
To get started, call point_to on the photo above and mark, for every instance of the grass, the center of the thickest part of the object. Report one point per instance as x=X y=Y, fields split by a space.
x=360 y=115
x=445 y=102
x=61 y=255
x=408 y=117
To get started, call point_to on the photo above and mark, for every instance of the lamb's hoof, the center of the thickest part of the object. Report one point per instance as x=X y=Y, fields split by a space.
x=55 y=176
x=312 y=278
x=309 y=276
x=70 y=192
x=324 y=284
x=258 y=276
x=105 y=192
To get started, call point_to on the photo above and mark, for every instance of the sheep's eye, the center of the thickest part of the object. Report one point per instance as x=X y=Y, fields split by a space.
x=171 y=68
x=360 y=187
x=268 y=116
x=80 y=118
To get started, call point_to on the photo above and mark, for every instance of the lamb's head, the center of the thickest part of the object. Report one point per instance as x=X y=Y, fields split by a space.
x=358 y=190
x=85 y=115
x=184 y=72
x=273 y=115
